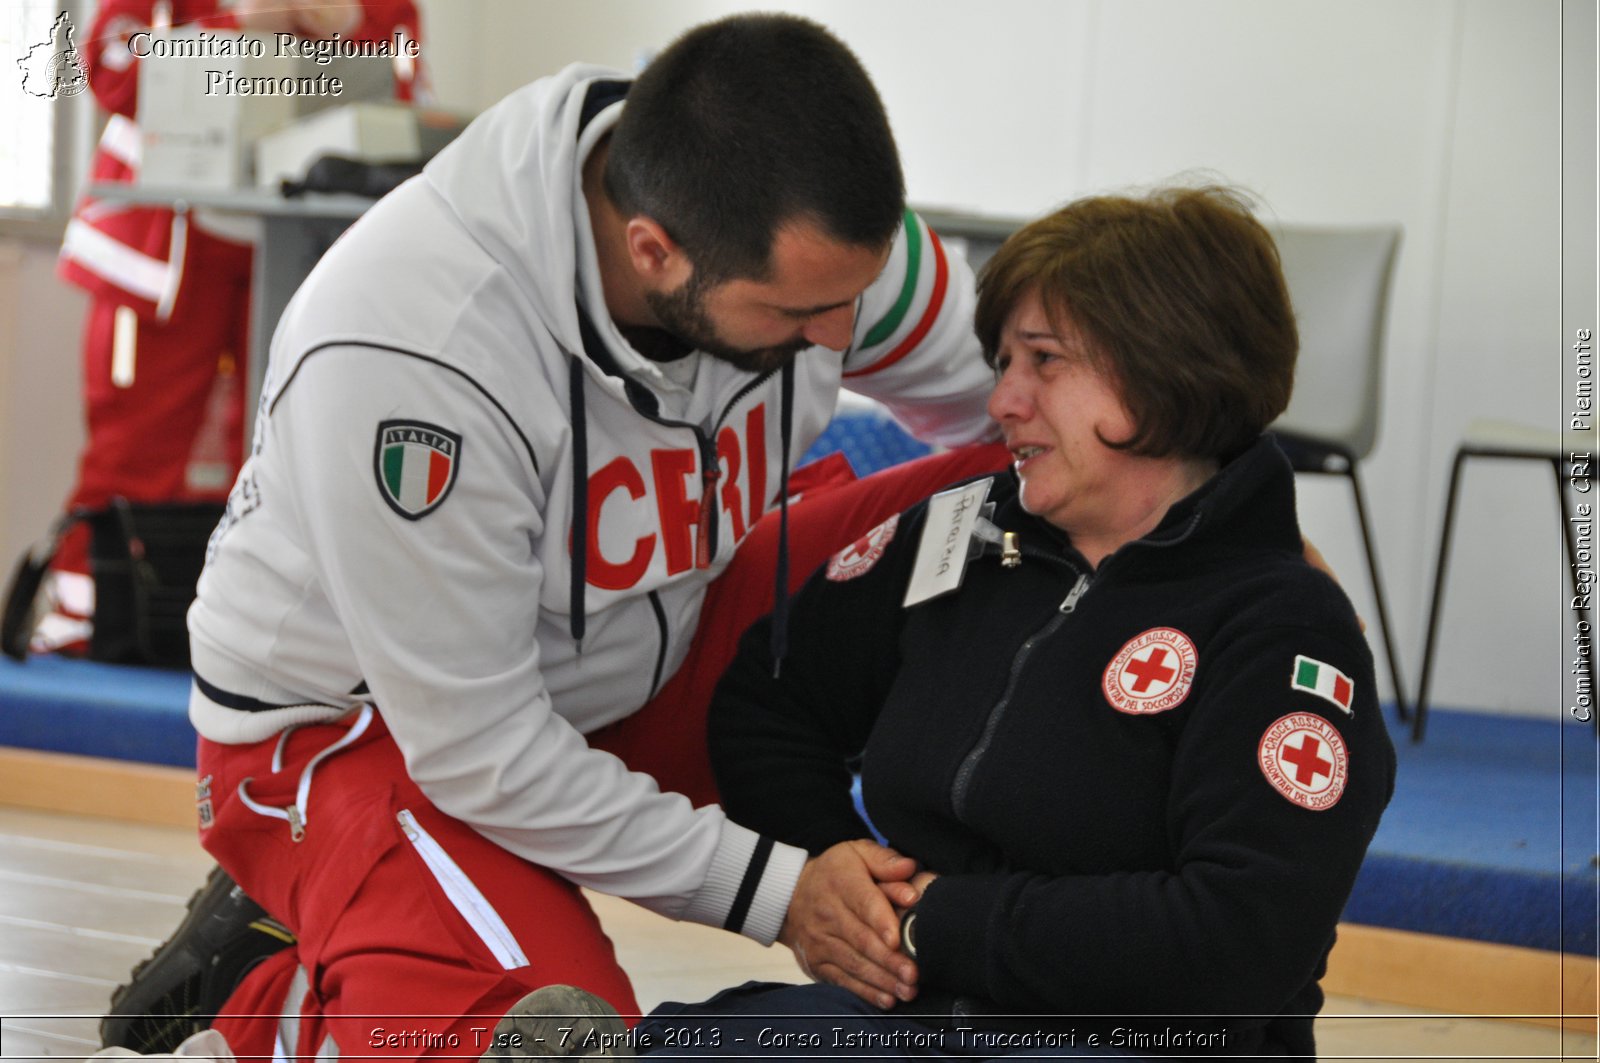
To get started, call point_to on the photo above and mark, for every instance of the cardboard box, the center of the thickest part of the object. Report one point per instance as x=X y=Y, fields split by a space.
x=197 y=124
x=206 y=97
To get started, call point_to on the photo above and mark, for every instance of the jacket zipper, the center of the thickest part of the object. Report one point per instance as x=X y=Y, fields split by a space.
x=468 y=900
x=705 y=539
x=661 y=641
x=961 y=789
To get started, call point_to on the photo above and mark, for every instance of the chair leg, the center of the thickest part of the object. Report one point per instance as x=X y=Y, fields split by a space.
x=1377 y=592
x=1569 y=535
x=1419 y=708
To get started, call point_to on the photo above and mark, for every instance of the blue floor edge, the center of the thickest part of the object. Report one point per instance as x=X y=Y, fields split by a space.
x=91 y=709
x=1493 y=834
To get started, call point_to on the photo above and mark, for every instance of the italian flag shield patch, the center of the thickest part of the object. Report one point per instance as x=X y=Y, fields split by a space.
x=1323 y=680
x=416 y=465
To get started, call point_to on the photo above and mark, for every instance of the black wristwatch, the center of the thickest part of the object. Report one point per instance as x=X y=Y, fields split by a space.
x=908 y=933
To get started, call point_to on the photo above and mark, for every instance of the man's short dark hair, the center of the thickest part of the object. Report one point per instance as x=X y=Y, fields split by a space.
x=1182 y=300
x=749 y=123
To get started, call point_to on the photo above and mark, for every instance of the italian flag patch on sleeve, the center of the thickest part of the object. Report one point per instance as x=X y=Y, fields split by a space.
x=1323 y=680
x=416 y=464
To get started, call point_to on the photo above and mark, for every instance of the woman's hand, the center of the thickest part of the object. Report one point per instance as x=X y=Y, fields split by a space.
x=842 y=924
x=314 y=19
x=905 y=895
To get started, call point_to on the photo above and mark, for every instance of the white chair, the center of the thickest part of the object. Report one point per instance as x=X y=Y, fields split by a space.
x=1339 y=280
x=1487 y=438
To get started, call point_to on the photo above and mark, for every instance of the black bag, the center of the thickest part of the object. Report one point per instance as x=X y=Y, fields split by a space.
x=335 y=173
x=145 y=559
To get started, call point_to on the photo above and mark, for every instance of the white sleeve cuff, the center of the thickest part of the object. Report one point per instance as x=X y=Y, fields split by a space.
x=748 y=885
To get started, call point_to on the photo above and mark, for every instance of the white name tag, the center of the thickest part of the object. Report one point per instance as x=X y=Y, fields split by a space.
x=944 y=550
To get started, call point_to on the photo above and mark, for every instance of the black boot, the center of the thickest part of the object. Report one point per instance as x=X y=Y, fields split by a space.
x=178 y=991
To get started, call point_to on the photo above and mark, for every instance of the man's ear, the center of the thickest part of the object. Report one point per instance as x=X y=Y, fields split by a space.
x=655 y=256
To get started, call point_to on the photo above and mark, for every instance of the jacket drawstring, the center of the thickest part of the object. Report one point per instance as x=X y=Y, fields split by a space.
x=297 y=815
x=780 y=598
x=580 y=503
x=580 y=500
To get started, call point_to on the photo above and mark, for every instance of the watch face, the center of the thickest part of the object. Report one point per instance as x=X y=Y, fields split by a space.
x=908 y=934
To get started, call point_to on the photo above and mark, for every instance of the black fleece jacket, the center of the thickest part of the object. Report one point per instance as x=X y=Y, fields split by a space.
x=1140 y=820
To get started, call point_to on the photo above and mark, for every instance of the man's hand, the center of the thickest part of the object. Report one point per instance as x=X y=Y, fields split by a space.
x=842 y=924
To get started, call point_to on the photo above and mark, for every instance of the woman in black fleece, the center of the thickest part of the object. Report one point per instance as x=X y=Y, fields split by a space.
x=1130 y=736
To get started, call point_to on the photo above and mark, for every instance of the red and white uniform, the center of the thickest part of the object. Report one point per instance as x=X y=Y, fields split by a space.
x=167 y=332
x=398 y=584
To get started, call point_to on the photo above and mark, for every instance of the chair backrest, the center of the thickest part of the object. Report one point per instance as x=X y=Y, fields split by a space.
x=1339 y=282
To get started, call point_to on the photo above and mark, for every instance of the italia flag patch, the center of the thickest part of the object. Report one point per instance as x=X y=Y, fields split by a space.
x=1323 y=680
x=416 y=465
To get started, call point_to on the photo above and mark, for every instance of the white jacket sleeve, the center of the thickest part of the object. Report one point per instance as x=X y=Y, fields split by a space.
x=440 y=613
x=914 y=348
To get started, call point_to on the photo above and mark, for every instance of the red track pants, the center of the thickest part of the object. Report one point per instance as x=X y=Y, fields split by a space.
x=415 y=932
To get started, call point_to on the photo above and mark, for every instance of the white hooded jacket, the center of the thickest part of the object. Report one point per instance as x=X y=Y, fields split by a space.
x=402 y=533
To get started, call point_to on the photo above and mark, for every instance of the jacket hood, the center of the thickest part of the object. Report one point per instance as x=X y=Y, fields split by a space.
x=512 y=180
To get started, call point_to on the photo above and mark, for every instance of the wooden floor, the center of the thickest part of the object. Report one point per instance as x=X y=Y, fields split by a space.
x=83 y=899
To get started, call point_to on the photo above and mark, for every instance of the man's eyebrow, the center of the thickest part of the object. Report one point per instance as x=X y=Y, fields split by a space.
x=812 y=311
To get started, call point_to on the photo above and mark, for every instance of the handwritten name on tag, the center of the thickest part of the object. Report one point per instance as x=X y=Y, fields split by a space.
x=943 y=553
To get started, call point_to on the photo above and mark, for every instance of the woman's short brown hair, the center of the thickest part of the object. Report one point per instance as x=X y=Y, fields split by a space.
x=1182 y=300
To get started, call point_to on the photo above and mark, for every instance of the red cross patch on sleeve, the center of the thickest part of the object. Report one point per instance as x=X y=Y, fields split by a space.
x=1304 y=757
x=858 y=558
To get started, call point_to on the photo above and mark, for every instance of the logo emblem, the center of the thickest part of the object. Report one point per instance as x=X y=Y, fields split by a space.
x=53 y=68
x=1304 y=757
x=416 y=465
x=202 y=803
x=858 y=558
x=1152 y=673
x=1323 y=680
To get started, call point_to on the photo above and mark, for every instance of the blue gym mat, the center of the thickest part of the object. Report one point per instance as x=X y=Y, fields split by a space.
x=1493 y=832
x=96 y=710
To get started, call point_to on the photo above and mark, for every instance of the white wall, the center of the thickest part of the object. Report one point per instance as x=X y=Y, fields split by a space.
x=1442 y=115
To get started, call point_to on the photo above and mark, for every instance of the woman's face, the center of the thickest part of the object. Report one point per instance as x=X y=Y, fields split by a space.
x=1051 y=402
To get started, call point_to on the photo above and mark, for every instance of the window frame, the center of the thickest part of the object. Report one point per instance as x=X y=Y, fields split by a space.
x=75 y=125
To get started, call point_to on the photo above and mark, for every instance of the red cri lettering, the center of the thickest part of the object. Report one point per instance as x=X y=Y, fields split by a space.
x=676 y=479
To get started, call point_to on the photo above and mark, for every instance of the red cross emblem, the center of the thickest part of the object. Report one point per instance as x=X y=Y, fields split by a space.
x=858 y=558
x=1149 y=670
x=1304 y=758
x=1151 y=673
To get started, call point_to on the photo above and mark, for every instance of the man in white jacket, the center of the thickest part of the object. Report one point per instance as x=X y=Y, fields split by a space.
x=516 y=424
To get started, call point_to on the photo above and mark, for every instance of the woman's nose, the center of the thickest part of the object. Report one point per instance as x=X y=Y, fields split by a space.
x=1008 y=400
